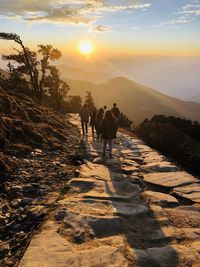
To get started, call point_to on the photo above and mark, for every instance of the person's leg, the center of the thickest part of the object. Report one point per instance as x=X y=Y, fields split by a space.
x=83 y=129
x=86 y=126
x=110 y=142
x=93 y=130
x=105 y=141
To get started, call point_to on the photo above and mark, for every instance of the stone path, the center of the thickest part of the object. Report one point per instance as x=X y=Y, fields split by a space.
x=136 y=209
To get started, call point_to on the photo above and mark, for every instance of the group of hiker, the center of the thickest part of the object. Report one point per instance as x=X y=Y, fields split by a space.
x=104 y=122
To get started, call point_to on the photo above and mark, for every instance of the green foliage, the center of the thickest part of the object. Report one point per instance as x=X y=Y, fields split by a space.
x=176 y=138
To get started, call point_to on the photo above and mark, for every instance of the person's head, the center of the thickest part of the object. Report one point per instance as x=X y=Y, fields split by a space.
x=114 y=105
x=105 y=107
x=85 y=106
x=101 y=111
x=109 y=115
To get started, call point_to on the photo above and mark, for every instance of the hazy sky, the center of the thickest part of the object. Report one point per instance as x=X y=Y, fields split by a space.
x=143 y=27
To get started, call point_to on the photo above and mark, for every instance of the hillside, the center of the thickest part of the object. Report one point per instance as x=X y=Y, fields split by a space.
x=36 y=148
x=80 y=74
x=135 y=100
x=195 y=98
x=175 y=76
x=25 y=126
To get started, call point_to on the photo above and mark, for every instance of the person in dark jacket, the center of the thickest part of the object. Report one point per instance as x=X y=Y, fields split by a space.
x=93 y=121
x=109 y=130
x=84 y=114
x=99 y=121
x=115 y=111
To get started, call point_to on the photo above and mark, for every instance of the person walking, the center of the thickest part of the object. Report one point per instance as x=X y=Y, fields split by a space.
x=109 y=130
x=84 y=115
x=99 y=121
x=104 y=111
x=115 y=111
x=93 y=121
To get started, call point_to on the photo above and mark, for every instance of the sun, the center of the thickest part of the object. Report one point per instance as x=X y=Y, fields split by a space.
x=86 y=48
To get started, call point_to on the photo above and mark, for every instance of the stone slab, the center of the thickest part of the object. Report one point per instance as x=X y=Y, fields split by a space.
x=97 y=207
x=171 y=179
x=161 y=199
x=49 y=249
x=173 y=256
x=160 y=166
x=97 y=171
x=191 y=192
x=91 y=188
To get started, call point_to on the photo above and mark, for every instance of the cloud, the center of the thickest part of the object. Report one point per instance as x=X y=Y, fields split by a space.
x=64 y=11
x=190 y=9
x=186 y=14
x=100 y=28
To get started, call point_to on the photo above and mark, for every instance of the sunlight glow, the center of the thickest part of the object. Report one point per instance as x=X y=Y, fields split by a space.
x=86 y=48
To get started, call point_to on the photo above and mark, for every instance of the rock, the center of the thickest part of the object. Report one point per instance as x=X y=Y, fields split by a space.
x=49 y=248
x=19 y=211
x=36 y=212
x=5 y=207
x=60 y=215
x=8 y=262
x=16 y=202
x=163 y=200
x=130 y=209
x=103 y=256
x=2 y=220
x=129 y=162
x=181 y=217
x=152 y=156
x=26 y=201
x=95 y=170
x=90 y=188
x=160 y=166
x=163 y=233
x=4 y=249
x=17 y=226
x=173 y=256
x=105 y=225
x=170 y=180
x=76 y=173
x=21 y=217
x=191 y=192
x=130 y=169
x=187 y=234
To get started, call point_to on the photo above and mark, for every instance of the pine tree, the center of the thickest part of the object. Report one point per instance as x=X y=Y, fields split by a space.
x=89 y=101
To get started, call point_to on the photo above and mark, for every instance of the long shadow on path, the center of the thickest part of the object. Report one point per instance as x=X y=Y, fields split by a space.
x=146 y=229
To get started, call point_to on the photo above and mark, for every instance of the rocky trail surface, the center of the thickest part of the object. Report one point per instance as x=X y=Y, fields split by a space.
x=136 y=209
x=36 y=152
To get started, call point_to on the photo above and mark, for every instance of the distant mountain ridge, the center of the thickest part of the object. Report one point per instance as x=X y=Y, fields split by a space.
x=74 y=73
x=175 y=76
x=195 y=98
x=135 y=100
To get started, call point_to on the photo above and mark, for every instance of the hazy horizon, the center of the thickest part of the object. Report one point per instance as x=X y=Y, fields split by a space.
x=156 y=43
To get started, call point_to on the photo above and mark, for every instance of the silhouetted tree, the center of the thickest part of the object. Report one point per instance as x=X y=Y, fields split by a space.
x=48 y=53
x=28 y=64
x=89 y=101
x=74 y=103
x=26 y=54
x=57 y=89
